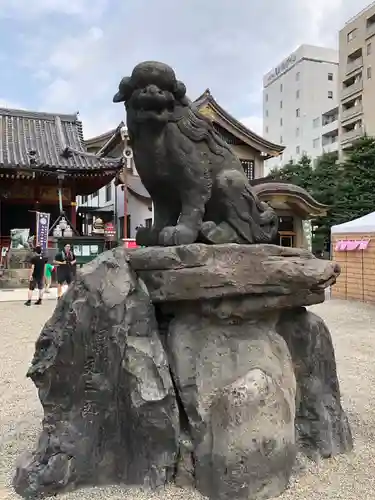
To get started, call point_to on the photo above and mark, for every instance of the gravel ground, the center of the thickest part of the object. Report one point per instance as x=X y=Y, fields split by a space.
x=346 y=477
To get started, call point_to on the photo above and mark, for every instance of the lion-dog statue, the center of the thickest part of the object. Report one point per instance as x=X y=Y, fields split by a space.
x=197 y=184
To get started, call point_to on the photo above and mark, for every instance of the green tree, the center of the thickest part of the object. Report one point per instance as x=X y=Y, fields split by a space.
x=300 y=173
x=355 y=194
x=324 y=189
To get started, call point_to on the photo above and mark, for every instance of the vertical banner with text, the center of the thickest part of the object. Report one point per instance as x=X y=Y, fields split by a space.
x=42 y=229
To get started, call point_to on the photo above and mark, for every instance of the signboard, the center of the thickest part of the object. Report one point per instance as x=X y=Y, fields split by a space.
x=109 y=231
x=86 y=250
x=50 y=194
x=42 y=229
x=281 y=68
x=43 y=194
x=130 y=243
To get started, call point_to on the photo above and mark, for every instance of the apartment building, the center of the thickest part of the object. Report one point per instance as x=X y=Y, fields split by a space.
x=356 y=78
x=330 y=130
x=300 y=103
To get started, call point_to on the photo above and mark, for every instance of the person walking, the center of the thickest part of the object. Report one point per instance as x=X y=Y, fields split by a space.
x=48 y=277
x=65 y=262
x=36 y=277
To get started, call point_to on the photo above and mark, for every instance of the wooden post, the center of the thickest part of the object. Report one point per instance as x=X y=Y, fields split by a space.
x=125 y=187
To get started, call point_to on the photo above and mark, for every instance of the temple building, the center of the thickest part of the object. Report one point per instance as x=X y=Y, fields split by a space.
x=112 y=201
x=251 y=149
x=38 y=153
x=293 y=204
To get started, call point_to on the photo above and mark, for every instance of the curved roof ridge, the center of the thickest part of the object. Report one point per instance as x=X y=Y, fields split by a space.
x=38 y=115
x=104 y=135
x=208 y=97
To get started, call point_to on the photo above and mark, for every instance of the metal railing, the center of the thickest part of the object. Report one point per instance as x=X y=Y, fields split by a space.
x=354 y=65
x=352 y=89
x=350 y=112
x=352 y=135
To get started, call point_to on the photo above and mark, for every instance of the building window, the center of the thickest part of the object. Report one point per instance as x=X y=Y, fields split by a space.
x=281 y=87
x=368 y=49
x=297 y=76
x=370 y=21
x=368 y=71
x=297 y=132
x=267 y=129
x=281 y=104
x=351 y=35
x=281 y=122
x=297 y=94
x=330 y=77
x=267 y=112
x=148 y=222
x=84 y=198
x=95 y=194
x=316 y=143
x=281 y=139
x=330 y=94
x=266 y=97
x=298 y=112
x=248 y=168
x=316 y=122
x=298 y=149
x=108 y=192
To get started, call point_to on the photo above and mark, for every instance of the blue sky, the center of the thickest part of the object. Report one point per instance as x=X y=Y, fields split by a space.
x=68 y=55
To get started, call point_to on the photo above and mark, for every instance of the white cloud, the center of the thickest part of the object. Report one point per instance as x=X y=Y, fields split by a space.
x=227 y=48
x=254 y=123
x=5 y=103
x=73 y=54
x=26 y=9
x=42 y=75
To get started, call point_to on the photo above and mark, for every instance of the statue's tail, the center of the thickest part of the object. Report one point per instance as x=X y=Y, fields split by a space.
x=258 y=223
x=265 y=221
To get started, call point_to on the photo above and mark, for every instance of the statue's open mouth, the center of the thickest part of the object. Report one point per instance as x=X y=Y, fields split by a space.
x=153 y=104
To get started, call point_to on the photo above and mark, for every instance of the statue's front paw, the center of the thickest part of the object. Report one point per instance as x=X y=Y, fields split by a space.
x=177 y=235
x=147 y=237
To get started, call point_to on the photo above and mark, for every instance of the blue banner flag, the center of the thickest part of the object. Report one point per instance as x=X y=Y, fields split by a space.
x=42 y=229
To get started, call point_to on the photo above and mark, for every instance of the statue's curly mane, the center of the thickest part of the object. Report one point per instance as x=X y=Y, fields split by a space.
x=199 y=128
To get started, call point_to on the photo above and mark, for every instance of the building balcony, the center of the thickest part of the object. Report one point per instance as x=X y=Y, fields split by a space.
x=354 y=65
x=352 y=89
x=330 y=126
x=330 y=147
x=349 y=113
x=370 y=30
x=352 y=135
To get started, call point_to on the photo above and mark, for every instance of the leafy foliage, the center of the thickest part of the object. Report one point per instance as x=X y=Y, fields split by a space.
x=355 y=194
x=300 y=173
x=348 y=188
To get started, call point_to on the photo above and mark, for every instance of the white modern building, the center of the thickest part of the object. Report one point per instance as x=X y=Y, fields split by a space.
x=300 y=99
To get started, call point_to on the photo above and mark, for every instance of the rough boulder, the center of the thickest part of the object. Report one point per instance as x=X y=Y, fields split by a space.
x=194 y=364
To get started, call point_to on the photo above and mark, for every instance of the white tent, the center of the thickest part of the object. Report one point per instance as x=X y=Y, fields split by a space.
x=365 y=224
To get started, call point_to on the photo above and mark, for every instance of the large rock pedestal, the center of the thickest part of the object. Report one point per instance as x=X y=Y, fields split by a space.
x=195 y=364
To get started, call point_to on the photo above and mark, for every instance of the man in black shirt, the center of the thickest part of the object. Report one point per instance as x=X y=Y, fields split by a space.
x=36 y=278
x=65 y=261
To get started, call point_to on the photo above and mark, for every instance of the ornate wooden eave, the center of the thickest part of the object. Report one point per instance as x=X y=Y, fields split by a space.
x=285 y=195
x=207 y=105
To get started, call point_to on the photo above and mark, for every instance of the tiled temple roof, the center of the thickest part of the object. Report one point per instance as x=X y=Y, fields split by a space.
x=45 y=141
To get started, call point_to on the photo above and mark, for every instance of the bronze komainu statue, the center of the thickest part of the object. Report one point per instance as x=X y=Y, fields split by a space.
x=196 y=182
